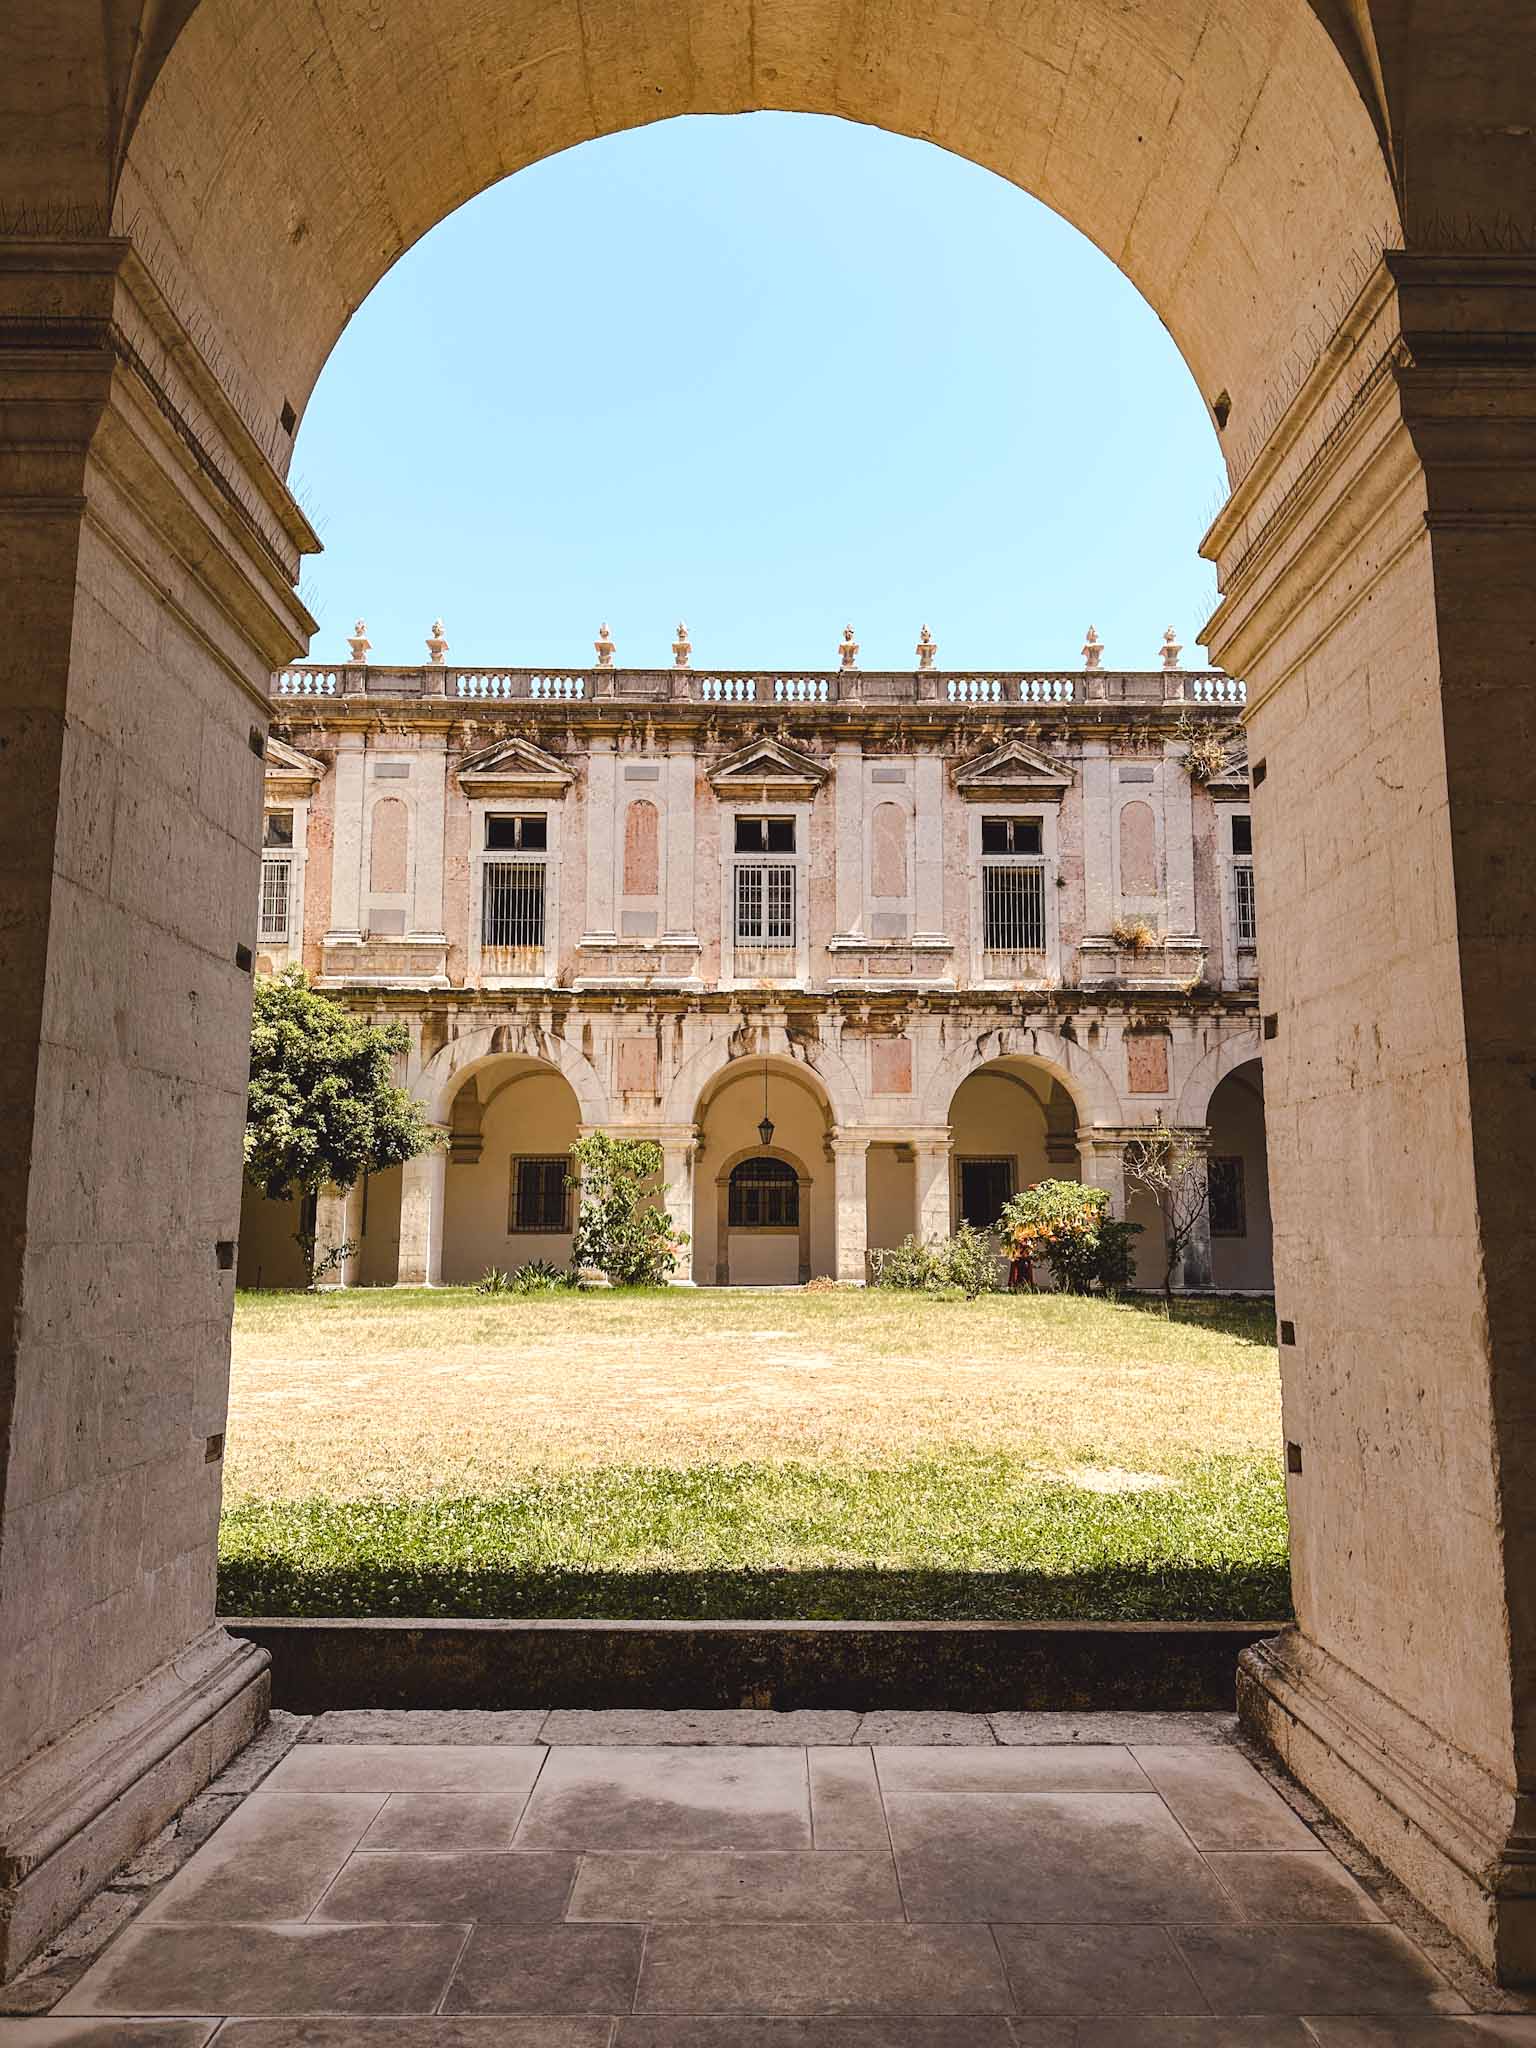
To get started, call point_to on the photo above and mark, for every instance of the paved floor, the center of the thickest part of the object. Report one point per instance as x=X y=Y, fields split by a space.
x=955 y=1890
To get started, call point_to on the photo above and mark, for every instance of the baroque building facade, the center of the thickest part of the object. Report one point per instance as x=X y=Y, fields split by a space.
x=948 y=934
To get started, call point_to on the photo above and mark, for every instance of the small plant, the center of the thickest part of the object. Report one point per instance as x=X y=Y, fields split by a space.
x=967 y=1263
x=910 y=1265
x=495 y=1280
x=1207 y=748
x=972 y=1262
x=536 y=1276
x=620 y=1231
x=1134 y=935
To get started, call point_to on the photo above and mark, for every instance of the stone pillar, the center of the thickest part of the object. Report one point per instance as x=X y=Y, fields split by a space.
x=928 y=921
x=601 y=806
x=932 y=1178
x=1379 y=569
x=147 y=558
x=850 y=1156
x=1098 y=830
x=848 y=796
x=423 y=1188
x=430 y=788
x=338 y=1222
x=681 y=919
x=677 y=1152
x=1101 y=1164
x=347 y=843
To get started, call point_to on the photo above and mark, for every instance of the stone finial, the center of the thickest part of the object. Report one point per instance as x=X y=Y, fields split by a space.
x=848 y=649
x=682 y=647
x=1093 y=649
x=437 y=644
x=1170 y=649
x=927 y=649
x=604 y=645
x=359 y=642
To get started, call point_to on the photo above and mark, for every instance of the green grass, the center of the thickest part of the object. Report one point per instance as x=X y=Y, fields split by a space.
x=974 y=1537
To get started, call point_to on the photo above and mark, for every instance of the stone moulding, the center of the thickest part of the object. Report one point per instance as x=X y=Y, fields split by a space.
x=75 y=1812
x=1460 y=1840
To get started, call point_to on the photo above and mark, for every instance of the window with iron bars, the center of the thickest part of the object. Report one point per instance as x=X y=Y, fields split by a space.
x=276 y=890
x=1245 y=905
x=765 y=905
x=764 y=1194
x=512 y=903
x=1013 y=906
x=541 y=1201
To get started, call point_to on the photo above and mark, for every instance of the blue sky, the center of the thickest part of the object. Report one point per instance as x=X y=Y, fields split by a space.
x=770 y=374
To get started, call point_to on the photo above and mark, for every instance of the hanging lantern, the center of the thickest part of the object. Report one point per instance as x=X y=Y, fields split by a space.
x=765 y=1128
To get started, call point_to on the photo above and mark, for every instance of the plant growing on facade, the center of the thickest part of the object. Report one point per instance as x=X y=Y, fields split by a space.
x=620 y=1230
x=1207 y=748
x=1134 y=935
x=1069 y=1226
x=1170 y=1167
x=322 y=1104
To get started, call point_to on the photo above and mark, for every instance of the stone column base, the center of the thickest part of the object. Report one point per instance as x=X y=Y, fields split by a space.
x=1462 y=1843
x=74 y=1813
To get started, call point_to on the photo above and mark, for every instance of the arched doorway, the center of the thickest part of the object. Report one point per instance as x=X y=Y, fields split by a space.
x=764 y=1212
x=1013 y=1123
x=1241 y=1257
x=511 y=1128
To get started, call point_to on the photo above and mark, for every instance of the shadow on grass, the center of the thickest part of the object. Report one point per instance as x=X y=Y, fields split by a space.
x=1249 y=1319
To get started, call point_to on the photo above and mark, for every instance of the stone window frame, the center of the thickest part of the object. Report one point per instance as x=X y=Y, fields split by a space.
x=792 y=962
x=1240 y=963
x=801 y=1231
x=1047 y=811
x=552 y=810
x=516 y=1229
x=960 y=1160
x=286 y=952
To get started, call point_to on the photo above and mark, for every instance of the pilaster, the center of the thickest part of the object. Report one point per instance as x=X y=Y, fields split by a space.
x=423 y=1193
x=850 y=1161
x=933 y=1155
x=848 y=795
x=347 y=840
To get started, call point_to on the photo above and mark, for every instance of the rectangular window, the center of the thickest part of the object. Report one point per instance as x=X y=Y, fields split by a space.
x=985 y=1186
x=1011 y=835
x=540 y=1198
x=277 y=829
x=765 y=835
x=1242 y=835
x=276 y=891
x=1247 y=916
x=1013 y=908
x=517 y=835
x=1229 y=1209
x=512 y=904
x=765 y=905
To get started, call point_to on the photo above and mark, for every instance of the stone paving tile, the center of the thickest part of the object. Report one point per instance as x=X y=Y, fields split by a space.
x=437 y=2032
x=1479 y=2031
x=729 y=1884
x=739 y=2031
x=846 y=1809
x=547 y=1970
x=1184 y=1729
x=1091 y=1970
x=659 y=1798
x=1313 y=1970
x=909 y=1729
x=1163 y=2033
x=159 y=1967
x=1055 y=1768
x=47 y=2033
x=1277 y=1886
x=409 y=1767
x=271 y=1860
x=736 y=1726
x=445 y=1820
x=529 y=1885
x=1221 y=1802
x=455 y=1726
x=826 y=1969
x=1033 y=1857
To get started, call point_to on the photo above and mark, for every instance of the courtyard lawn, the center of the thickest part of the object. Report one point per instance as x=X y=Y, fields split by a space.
x=838 y=1453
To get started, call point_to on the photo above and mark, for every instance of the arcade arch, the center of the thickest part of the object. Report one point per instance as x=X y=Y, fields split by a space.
x=737 y=1243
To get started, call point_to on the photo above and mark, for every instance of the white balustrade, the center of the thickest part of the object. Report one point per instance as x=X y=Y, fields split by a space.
x=484 y=683
x=1047 y=690
x=800 y=690
x=974 y=690
x=1217 y=690
x=728 y=689
x=559 y=688
x=307 y=682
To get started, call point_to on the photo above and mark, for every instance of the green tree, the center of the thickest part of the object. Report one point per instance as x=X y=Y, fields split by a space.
x=322 y=1107
x=1070 y=1227
x=619 y=1228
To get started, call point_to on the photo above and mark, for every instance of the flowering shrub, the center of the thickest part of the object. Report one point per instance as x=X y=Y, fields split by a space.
x=1069 y=1226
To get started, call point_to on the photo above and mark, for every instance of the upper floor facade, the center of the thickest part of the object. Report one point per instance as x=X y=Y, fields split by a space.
x=842 y=834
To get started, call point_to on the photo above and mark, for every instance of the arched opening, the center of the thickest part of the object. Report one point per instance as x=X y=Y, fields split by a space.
x=1012 y=1122
x=1242 y=1259
x=764 y=1213
x=506 y=1202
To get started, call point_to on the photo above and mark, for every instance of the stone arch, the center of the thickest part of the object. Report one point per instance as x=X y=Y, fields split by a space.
x=444 y=1074
x=1081 y=1074
x=707 y=1068
x=1223 y=157
x=723 y=1176
x=1223 y=1057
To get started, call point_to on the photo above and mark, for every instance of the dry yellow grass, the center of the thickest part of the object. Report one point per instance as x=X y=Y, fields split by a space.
x=391 y=1394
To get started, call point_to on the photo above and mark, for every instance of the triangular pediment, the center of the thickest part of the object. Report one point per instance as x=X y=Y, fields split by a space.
x=1013 y=769
x=289 y=770
x=513 y=767
x=766 y=767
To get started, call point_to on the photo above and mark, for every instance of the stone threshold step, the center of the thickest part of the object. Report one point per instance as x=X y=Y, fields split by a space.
x=859 y=1666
